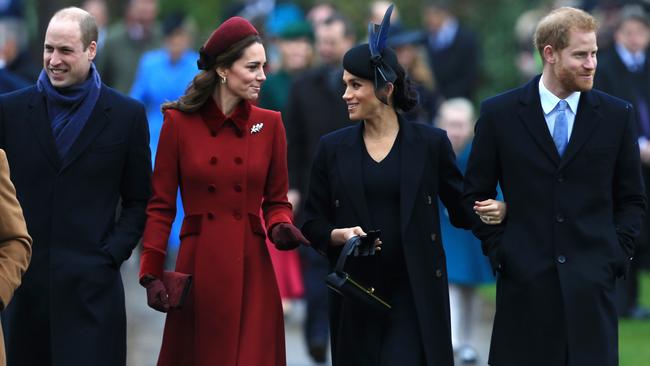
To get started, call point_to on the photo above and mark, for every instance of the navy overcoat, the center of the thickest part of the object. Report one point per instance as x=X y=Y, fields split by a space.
x=70 y=306
x=570 y=226
x=336 y=200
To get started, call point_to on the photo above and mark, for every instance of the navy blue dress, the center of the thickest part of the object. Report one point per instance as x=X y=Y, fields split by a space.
x=397 y=333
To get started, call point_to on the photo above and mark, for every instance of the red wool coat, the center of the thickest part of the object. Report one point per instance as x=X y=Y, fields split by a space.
x=225 y=168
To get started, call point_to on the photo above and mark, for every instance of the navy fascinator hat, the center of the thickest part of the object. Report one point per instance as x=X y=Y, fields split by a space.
x=374 y=60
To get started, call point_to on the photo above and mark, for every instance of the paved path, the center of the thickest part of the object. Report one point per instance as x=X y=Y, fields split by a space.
x=145 y=326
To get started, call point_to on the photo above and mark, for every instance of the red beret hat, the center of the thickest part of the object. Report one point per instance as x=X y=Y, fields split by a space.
x=228 y=33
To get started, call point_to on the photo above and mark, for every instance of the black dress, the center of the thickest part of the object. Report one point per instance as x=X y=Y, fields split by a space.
x=394 y=338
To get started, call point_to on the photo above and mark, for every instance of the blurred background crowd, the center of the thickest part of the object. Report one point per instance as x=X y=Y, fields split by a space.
x=457 y=53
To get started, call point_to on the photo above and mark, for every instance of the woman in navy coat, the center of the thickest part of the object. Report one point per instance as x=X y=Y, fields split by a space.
x=387 y=174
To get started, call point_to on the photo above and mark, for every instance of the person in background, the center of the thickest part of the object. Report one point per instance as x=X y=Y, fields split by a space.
x=295 y=43
x=467 y=268
x=228 y=157
x=175 y=63
x=15 y=243
x=77 y=150
x=412 y=55
x=567 y=160
x=126 y=41
x=99 y=10
x=624 y=71
x=454 y=51
x=14 y=55
x=315 y=109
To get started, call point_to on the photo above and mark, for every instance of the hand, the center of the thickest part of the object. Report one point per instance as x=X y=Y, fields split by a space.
x=294 y=199
x=339 y=237
x=157 y=297
x=491 y=212
x=286 y=236
x=645 y=154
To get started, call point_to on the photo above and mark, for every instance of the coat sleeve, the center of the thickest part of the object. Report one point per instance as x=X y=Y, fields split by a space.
x=276 y=206
x=481 y=178
x=450 y=185
x=318 y=226
x=135 y=190
x=15 y=242
x=161 y=209
x=629 y=196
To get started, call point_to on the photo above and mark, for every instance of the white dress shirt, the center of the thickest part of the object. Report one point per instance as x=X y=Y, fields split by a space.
x=549 y=106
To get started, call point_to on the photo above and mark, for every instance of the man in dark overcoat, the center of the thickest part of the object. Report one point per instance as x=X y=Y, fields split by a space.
x=624 y=71
x=76 y=149
x=567 y=159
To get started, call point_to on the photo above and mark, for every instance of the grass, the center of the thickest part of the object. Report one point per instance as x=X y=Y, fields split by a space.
x=634 y=335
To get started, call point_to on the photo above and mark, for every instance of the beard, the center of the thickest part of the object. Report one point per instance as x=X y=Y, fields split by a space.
x=574 y=82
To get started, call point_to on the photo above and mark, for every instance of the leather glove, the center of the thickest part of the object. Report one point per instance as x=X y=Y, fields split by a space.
x=157 y=297
x=286 y=236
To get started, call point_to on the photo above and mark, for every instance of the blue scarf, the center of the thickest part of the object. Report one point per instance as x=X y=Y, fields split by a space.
x=69 y=108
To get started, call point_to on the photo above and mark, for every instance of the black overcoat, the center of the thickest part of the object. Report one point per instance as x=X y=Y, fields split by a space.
x=570 y=225
x=336 y=200
x=71 y=302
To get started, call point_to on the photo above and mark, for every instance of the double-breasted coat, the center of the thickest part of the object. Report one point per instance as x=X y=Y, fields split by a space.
x=336 y=200
x=570 y=226
x=70 y=308
x=226 y=167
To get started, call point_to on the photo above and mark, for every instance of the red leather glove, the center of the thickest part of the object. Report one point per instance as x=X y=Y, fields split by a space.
x=157 y=297
x=286 y=236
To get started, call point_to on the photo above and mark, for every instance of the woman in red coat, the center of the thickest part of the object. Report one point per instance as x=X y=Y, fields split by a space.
x=229 y=159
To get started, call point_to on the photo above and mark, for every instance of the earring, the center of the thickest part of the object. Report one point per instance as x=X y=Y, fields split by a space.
x=223 y=79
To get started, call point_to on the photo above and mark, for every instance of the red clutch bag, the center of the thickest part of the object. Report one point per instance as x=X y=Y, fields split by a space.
x=177 y=285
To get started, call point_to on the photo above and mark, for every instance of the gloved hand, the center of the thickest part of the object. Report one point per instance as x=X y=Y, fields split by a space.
x=157 y=297
x=286 y=236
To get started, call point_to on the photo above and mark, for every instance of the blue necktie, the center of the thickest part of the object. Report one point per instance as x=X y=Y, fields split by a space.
x=561 y=129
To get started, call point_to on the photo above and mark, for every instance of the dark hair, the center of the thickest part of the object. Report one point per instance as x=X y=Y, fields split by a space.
x=405 y=96
x=348 y=27
x=203 y=84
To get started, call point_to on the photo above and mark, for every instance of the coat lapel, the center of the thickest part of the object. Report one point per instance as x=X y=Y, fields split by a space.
x=413 y=157
x=532 y=115
x=350 y=164
x=586 y=122
x=41 y=126
x=95 y=124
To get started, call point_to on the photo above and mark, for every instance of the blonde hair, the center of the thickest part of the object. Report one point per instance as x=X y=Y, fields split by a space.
x=553 y=30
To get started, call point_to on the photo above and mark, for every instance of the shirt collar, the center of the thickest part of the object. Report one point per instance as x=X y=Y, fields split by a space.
x=632 y=61
x=214 y=118
x=550 y=100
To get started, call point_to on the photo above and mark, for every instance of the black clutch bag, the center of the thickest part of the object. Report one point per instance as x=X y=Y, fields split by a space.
x=342 y=283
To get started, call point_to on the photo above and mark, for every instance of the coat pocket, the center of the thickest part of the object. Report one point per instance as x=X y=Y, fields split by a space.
x=256 y=225
x=191 y=225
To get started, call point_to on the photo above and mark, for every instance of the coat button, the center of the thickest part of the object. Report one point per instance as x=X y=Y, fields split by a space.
x=337 y=203
x=428 y=200
x=213 y=160
x=212 y=188
x=237 y=215
x=237 y=187
x=560 y=178
x=438 y=273
x=561 y=259
x=433 y=237
x=559 y=218
x=213 y=133
x=238 y=160
x=210 y=216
